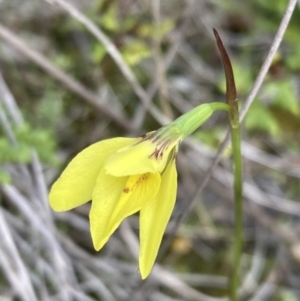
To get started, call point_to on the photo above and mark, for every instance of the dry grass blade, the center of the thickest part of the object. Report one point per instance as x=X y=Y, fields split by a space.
x=14 y=268
x=269 y=58
x=116 y=56
x=61 y=76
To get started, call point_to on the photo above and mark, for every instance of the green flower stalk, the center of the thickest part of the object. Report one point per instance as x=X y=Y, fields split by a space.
x=123 y=176
x=231 y=99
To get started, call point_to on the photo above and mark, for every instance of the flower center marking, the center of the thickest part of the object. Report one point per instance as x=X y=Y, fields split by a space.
x=142 y=178
x=159 y=151
x=137 y=181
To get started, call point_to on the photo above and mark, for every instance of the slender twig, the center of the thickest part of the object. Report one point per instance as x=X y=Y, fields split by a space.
x=174 y=48
x=270 y=161
x=63 y=270
x=103 y=39
x=161 y=275
x=160 y=68
x=260 y=77
x=6 y=128
x=115 y=55
x=10 y=103
x=17 y=119
x=61 y=76
x=270 y=287
x=270 y=56
x=257 y=199
x=264 y=68
x=22 y=285
x=258 y=263
x=250 y=191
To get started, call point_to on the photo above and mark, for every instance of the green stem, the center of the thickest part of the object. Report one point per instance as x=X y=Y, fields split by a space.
x=237 y=158
x=231 y=99
x=190 y=121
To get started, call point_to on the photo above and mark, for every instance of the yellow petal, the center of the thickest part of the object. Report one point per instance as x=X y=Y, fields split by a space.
x=108 y=210
x=106 y=195
x=140 y=158
x=75 y=185
x=154 y=218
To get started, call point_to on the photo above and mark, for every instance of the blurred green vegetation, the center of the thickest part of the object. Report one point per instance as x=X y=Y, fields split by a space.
x=41 y=139
x=57 y=120
x=275 y=110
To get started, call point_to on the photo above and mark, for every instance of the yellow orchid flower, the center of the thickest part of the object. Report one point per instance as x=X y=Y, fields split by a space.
x=123 y=176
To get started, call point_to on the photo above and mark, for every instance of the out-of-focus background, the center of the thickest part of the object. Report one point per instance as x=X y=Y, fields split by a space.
x=73 y=73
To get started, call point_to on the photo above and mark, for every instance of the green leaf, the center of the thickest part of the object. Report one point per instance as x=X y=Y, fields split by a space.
x=260 y=118
x=286 y=295
x=50 y=108
x=98 y=53
x=41 y=139
x=13 y=154
x=149 y=31
x=5 y=150
x=274 y=6
x=22 y=154
x=165 y=27
x=210 y=137
x=282 y=95
x=242 y=76
x=4 y=177
x=109 y=20
x=136 y=51
x=145 y=30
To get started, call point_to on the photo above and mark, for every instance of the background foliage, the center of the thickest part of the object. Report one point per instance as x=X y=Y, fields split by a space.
x=170 y=50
